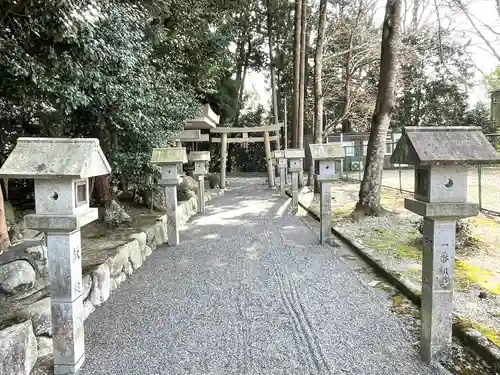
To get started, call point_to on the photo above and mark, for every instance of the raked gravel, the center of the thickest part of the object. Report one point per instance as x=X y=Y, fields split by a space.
x=248 y=291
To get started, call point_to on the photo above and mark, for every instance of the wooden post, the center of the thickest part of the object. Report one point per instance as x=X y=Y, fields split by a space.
x=267 y=148
x=223 y=160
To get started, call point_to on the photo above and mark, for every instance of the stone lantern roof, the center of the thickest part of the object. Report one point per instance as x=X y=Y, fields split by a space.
x=206 y=119
x=170 y=155
x=49 y=158
x=453 y=145
x=326 y=151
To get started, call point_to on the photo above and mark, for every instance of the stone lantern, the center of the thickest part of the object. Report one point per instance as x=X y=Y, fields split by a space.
x=61 y=169
x=442 y=157
x=326 y=155
x=295 y=157
x=170 y=160
x=200 y=160
x=279 y=157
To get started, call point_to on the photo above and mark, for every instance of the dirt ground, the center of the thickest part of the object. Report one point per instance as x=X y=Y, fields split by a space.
x=99 y=241
x=394 y=240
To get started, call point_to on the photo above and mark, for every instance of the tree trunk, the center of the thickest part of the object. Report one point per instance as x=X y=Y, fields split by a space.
x=272 y=70
x=318 y=87
x=102 y=192
x=302 y=77
x=369 y=192
x=271 y=62
x=4 y=234
x=296 y=73
x=245 y=69
x=242 y=66
x=346 y=124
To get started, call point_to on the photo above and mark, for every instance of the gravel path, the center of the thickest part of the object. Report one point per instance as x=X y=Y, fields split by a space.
x=248 y=291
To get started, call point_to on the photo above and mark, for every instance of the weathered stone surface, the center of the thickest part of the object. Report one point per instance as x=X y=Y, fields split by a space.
x=143 y=252
x=115 y=214
x=16 y=231
x=187 y=209
x=464 y=236
x=121 y=258
x=69 y=347
x=190 y=183
x=117 y=280
x=14 y=228
x=45 y=346
x=158 y=201
x=101 y=285
x=129 y=270
x=88 y=308
x=160 y=234
x=184 y=194
x=37 y=157
x=141 y=237
x=150 y=234
x=326 y=151
x=33 y=294
x=148 y=251
x=39 y=253
x=16 y=277
x=87 y=285
x=171 y=155
x=39 y=313
x=10 y=216
x=44 y=366
x=135 y=254
x=18 y=349
x=432 y=145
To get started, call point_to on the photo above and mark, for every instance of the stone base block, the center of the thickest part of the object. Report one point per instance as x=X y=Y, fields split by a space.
x=68 y=332
x=68 y=369
x=435 y=353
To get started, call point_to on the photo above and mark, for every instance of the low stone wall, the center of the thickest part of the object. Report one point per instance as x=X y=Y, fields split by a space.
x=26 y=336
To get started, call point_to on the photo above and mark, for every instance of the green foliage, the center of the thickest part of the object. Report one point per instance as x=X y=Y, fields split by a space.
x=128 y=73
x=479 y=115
x=493 y=79
x=434 y=76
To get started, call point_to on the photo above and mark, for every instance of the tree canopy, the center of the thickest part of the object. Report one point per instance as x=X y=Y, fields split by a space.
x=131 y=72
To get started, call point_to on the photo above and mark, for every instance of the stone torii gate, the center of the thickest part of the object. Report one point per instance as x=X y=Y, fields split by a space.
x=266 y=139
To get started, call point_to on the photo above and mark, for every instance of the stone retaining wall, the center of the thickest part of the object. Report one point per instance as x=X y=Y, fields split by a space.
x=26 y=338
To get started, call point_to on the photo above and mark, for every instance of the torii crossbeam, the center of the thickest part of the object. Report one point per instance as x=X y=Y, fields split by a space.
x=223 y=140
